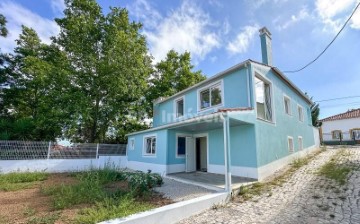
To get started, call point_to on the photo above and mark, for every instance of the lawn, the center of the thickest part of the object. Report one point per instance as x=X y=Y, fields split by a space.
x=84 y=197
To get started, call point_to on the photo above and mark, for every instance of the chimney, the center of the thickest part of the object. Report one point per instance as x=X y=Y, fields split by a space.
x=266 y=52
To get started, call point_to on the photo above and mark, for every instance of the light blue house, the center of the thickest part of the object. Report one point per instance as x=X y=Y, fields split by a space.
x=249 y=120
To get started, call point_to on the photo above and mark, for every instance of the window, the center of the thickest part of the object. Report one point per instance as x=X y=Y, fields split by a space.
x=301 y=113
x=179 y=105
x=355 y=134
x=181 y=146
x=300 y=140
x=336 y=134
x=290 y=144
x=263 y=99
x=287 y=105
x=132 y=144
x=211 y=96
x=150 y=145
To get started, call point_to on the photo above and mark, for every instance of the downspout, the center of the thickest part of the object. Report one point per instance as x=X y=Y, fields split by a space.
x=225 y=118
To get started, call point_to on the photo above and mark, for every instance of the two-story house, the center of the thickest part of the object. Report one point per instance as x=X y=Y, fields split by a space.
x=249 y=120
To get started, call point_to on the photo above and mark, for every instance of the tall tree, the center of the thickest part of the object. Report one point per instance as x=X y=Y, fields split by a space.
x=109 y=67
x=3 y=30
x=172 y=75
x=315 y=112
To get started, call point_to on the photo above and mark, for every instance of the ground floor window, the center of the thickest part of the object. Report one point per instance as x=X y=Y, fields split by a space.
x=291 y=144
x=181 y=146
x=355 y=134
x=336 y=134
x=300 y=139
x=150 y=145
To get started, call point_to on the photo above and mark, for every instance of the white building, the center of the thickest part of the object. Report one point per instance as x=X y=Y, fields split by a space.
x=342 y=128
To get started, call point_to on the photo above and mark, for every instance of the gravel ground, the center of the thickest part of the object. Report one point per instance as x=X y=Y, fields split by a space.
x=178 y=191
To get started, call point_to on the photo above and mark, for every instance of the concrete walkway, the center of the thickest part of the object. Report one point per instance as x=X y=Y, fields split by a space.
x=305 y=198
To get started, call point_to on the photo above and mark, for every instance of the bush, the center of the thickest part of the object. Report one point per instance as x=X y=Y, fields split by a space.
x=141 y=183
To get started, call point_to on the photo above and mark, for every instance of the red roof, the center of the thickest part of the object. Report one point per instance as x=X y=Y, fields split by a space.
x=354 y=113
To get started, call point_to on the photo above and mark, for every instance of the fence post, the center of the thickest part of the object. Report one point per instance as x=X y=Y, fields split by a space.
x=49 y=150
x=97 y=151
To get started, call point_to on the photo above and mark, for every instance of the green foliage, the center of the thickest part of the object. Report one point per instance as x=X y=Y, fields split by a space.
x=3 y=30
x=334 y=170
x=45 y=219
x=315 y=112
x=171 y=76
x=111 y=208
x=141 y=183
x=18 y=181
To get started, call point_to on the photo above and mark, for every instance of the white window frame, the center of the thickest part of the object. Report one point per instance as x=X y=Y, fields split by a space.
x=267 y=81
x=300 y=138
x=290 y=149
x=286 y=98
x=301 y=118
x=144 y=145
x=221 y=83
x=132 y=143
x=176 y=108
x=333 y=134
x=176 y=146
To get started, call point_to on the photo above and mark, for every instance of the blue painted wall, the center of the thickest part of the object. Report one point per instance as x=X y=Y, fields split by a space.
x=271 y=138
x=236 y=94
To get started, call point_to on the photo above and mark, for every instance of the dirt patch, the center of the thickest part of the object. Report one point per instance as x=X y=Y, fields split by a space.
x=33 y=206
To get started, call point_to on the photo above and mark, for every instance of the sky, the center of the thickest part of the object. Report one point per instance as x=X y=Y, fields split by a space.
x=220 y=34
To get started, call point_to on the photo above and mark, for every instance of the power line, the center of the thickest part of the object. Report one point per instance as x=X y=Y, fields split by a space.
x=340 y=98
x=294 y=71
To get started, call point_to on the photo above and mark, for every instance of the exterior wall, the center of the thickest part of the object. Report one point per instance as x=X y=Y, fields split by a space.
x=235 y=90
x=344 y=125
x=272 y=137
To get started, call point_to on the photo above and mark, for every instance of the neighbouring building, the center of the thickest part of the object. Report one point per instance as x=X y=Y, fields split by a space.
x=249 y=120
x=342 y=128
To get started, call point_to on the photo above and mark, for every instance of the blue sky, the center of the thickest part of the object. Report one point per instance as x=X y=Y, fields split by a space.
x=220 y=34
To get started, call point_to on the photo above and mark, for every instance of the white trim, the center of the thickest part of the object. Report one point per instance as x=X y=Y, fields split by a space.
x=302 y=143
x=209 y=87
x=142 y=166
x=131 y=147
x=288 y=144
x=301 y=119
x=207 y=145
x=176 y=144
x=176 y=168
x=144 y=154
x=241 y=171
x=285 y=97
x=175 y=107
x=266 y=80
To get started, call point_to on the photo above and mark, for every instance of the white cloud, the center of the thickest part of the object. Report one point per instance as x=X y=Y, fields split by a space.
x=333 y=13
x=58 y=6
x=187 y=28
x=302 y=15
x=355 y=21
x=242 y=41
x=16 y=15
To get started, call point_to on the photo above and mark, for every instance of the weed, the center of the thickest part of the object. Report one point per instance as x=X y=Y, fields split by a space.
x=46 y=219
x=18 y=181
x=28 y=211
x=332 y=216
x=333 y=170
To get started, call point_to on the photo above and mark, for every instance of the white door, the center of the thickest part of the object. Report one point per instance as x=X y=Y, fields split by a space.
x=190 y=155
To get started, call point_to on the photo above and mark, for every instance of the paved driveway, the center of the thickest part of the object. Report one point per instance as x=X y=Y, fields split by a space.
x=305 y=198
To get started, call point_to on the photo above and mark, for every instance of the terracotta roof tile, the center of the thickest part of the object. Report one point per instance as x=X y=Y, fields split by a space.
x=347 y=115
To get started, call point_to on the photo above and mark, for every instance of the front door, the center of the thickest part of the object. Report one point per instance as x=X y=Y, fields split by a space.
x=190 y=155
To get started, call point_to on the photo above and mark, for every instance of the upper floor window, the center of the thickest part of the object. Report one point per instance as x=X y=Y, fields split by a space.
x=336 y=134
x=150 y=145
x=287 y=105
x=263 y=99
x=210 y=96
x=179 y=107
x=301 y=113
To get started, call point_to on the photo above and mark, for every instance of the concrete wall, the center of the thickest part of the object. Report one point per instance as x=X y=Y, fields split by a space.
x=344 y=125
x=61 y=165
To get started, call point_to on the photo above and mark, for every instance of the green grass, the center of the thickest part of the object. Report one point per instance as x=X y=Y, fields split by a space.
x=18 y=181
x=46 y=219
x=337 y=172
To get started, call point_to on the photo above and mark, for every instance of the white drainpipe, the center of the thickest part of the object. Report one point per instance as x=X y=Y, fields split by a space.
x=226 y=128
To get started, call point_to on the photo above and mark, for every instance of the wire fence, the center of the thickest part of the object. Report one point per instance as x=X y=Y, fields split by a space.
x=339 y=138
x=29 y=150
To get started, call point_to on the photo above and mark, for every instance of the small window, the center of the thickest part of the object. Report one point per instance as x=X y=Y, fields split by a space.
x=211 y=96
x=336 y=134
x=132 y=144
x=355 y=134
x=150 y=145
x=301 y=113
x=179 y=107
x=290 y=144
x=300 y=140
x=287 y=105
x=263 y=99
x=181 y=146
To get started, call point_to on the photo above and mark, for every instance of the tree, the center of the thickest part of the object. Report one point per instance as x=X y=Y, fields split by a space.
x=315 y=112
x=109 y=67
x=171 y=76
x=3 y=30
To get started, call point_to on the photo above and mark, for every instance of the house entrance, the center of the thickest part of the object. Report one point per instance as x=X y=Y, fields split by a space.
x=201 y=153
